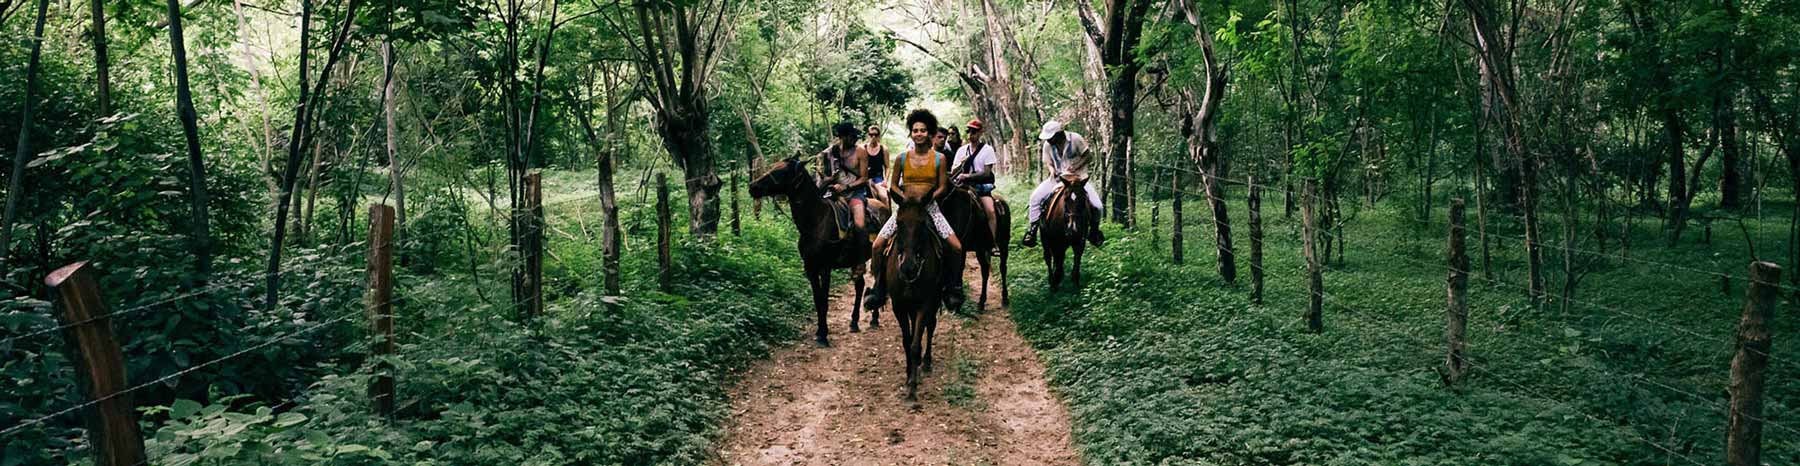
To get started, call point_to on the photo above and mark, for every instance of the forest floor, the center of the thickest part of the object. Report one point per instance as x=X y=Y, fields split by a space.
x=987 y=403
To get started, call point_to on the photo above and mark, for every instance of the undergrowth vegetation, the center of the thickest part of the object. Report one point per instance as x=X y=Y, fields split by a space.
x=1159 y=367
x=600 y=380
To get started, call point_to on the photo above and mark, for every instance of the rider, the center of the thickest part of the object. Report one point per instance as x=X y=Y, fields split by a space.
x=842 y=171
x=877 y=163
x=1065 y=153
x=922 y=166
x=974 y=167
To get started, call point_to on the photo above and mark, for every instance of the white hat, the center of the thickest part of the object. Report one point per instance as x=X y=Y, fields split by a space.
x=1050 y=129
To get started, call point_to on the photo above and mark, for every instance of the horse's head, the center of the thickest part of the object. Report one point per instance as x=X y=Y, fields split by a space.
x=784 y=178
x=915 y=242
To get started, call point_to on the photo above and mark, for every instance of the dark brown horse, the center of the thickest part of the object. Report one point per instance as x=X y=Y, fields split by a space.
x=1066 y=226
x=821 y=248
x=963 y=210
x=915 y=269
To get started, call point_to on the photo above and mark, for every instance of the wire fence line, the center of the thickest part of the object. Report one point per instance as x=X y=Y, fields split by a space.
x=1589 y=304
x=1541 y=243
x=8 y=432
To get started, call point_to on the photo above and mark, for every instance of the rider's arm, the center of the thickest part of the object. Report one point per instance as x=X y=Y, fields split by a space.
x=1049 y=163
x=984 y=172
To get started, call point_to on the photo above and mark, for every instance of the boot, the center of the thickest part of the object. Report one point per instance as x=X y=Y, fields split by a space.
x=1094 y=235
x=953 y=294
x=877 y=295
x=1031 y=233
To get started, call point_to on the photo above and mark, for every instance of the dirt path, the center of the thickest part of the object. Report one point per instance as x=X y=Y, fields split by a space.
x=986 y=404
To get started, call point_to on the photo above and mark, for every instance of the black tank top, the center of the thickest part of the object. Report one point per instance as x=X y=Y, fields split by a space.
x=878 y=163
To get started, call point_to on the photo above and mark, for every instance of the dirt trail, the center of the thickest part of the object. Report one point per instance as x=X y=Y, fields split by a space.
x=986 y=404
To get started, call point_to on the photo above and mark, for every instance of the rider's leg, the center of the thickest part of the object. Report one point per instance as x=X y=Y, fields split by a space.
x=987 y=204
x=878 y=265
x=953 y=290
x=856 y=214
x=1094 y=234
x=1034 y=210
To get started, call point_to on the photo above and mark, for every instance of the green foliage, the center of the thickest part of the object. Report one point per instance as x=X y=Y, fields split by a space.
x=1160 y=368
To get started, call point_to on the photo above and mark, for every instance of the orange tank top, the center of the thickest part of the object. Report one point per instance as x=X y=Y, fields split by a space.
x=914 y=175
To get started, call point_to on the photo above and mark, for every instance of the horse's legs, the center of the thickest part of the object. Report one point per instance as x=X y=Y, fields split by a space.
x=1005 y=286
x=981 y=258
x=912 y=356
x=1075 y=272
x=856 y=283
x=930 y=327
x=821 y=281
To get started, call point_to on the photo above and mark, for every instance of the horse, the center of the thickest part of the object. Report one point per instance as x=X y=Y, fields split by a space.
x=962 y=208
x=914 y=271
x=1065 y=226
x=821 y=247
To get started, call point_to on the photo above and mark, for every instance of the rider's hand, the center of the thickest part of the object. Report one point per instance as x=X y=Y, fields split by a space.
x=837 y=187
x=963 y=178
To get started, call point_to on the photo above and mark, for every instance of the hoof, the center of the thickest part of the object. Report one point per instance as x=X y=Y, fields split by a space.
x=873 y=324
x=855 y=329
x=927 y=366
x=822 y=342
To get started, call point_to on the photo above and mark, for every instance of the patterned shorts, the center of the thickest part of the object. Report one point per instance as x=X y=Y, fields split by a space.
x=938 y=224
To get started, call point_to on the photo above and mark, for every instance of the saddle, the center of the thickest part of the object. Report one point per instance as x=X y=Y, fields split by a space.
x=840 y=212
x=846 y=223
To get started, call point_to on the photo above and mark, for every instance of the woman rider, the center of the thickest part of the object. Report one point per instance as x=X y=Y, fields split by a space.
x=877 y=164
x=842 y=172
x=922 y=166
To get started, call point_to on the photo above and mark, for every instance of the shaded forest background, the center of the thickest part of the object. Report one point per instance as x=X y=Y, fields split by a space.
x=215 y=161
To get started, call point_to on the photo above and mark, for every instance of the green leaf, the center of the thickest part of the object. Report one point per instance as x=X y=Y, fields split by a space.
x=182 y=409
x=286 y=420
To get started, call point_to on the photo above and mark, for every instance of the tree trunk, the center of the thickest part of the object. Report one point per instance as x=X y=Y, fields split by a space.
x=102 y=66
x=16 y=185
x=1503 y=105
x=184 y=107
x=1118 y=42
x=395 y=177
x=1254 y=207
x=303 y=118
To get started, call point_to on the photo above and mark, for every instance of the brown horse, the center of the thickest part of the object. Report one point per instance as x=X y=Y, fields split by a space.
x=1065 y=226
x=962 y=208
x=821 y=248
x=915 y=269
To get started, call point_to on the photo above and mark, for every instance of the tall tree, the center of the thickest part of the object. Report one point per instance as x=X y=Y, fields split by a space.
x=1494 y=52
x=16 y=184
x=1201 y=126
x=102 y=67
x=301 y=133
x=200 y=235
x=678 y=43
x=1118 y=41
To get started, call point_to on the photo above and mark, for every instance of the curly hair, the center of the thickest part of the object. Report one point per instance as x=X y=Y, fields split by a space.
x=922 y=116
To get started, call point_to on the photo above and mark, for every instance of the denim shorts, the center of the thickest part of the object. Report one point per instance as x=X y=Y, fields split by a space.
x=984 y=189
x=877 y=180
x=860 y=193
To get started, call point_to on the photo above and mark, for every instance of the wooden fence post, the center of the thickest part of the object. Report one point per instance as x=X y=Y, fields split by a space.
x=1456 y=361
x=750 y=175
x=534 y=248
x=1256 y=241
x=380 y=305
x=1743 y=431
x=112 y=425
x=1175 y=237
x=663 y=230
x=1155 y=207
x=1315 y=283
x=736 y=229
